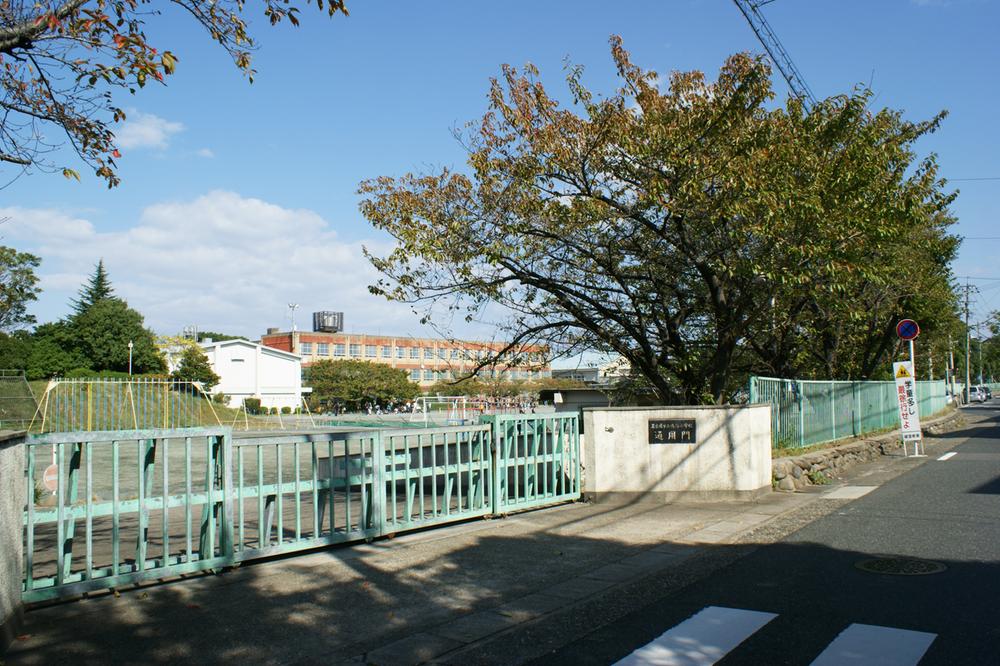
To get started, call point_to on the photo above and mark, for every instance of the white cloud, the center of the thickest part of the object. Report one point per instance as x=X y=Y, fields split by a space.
x=145 y=130
x=205 y=152
x=222 y=261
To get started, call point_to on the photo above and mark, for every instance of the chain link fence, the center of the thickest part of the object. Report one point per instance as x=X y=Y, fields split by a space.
x=17 y=403
x=805 y=412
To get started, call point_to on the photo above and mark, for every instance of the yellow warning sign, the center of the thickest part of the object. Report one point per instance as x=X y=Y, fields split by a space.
x=902 y=373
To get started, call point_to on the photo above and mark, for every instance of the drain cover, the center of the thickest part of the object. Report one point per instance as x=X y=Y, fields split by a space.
x=901 y=566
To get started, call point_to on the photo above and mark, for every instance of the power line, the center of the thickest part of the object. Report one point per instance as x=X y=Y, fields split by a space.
x=980 y=237
x=986 y=178
x=976 y=277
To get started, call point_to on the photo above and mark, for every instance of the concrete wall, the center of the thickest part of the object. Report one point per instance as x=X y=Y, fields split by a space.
x=731 y=457
x=11 y=548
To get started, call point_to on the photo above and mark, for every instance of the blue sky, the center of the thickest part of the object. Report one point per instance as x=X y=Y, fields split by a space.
x=237 y=198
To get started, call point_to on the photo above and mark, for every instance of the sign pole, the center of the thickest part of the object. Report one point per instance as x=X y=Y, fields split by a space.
x=917 y=444
x=906 y=389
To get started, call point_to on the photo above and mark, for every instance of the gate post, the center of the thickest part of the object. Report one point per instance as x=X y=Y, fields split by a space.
x=378 y=517
x=495 y=491
x=226 y=545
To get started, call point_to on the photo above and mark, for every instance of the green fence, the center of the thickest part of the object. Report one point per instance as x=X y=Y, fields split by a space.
x=133 y=505
x=805 y=412
x=141 y=403
x=17 y=403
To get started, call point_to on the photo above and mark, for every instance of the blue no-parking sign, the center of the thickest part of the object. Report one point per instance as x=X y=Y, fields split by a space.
x=907 y=329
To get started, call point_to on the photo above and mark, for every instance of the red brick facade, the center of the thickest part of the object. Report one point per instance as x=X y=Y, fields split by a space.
x=427 y=360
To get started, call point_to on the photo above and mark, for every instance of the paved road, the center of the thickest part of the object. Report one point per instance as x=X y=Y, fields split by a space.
x=803 y=600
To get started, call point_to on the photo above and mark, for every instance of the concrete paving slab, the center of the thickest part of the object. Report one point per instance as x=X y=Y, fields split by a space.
x=711 y=535
x=578 y=588
x=614 y=572
x=474 y=627
x=532 y=606
x=651 y=559
x=684 y=549
x=411 y=650
x=408 y=598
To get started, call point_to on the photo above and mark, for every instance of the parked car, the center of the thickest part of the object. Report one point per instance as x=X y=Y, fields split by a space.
x=986 y=391
x=975 y=394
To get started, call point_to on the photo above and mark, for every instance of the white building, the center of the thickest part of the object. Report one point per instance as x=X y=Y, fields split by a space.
x=249 y=370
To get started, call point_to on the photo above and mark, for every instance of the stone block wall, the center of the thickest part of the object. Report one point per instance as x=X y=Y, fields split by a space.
x=796 y=472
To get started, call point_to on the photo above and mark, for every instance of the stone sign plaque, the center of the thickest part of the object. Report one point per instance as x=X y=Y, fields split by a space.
x=672 y=431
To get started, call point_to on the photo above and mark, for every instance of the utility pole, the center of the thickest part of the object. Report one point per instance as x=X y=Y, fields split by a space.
x=950 y=374
x=979 y=337
x=965 y=392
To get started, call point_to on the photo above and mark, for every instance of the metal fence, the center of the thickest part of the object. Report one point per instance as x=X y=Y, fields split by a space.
x=806 y=412
x=138 y=403
x=17 y=403
x=146 y=504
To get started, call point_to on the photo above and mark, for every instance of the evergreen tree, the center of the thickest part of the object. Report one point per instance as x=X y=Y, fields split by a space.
x=97 y=288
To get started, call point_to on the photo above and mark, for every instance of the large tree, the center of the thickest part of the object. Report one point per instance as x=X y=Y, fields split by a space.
x=353 y=383
x=102 y=335
x=53 y=351
x=681 y=229
x=63 y=61
x=18 y=287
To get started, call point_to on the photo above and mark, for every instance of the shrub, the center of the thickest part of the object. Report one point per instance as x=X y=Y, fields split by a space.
x=286 y=410
x=87 y=373
x=252 y=405
x=219 y=398
x=274 y=411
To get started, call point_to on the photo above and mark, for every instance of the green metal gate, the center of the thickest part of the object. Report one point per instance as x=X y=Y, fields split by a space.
x=138 y=517
x=146 y=504
x=537 y=460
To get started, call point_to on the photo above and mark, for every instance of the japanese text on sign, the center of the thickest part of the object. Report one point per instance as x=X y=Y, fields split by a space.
x=672 y=431
x=906 y=396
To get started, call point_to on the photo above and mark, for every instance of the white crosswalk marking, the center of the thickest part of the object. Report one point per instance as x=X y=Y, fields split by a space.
x=872 y=645
x=701 y=640
x=948 y=455
x=850 y=492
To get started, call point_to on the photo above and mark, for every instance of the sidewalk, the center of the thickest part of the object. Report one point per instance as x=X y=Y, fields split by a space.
x=439 y=595
x=396 y=601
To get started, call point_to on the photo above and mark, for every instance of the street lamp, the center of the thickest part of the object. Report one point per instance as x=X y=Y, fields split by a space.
x=130 y=358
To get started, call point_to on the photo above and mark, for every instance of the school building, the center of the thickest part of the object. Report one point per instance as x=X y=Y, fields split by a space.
x=426 y=360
